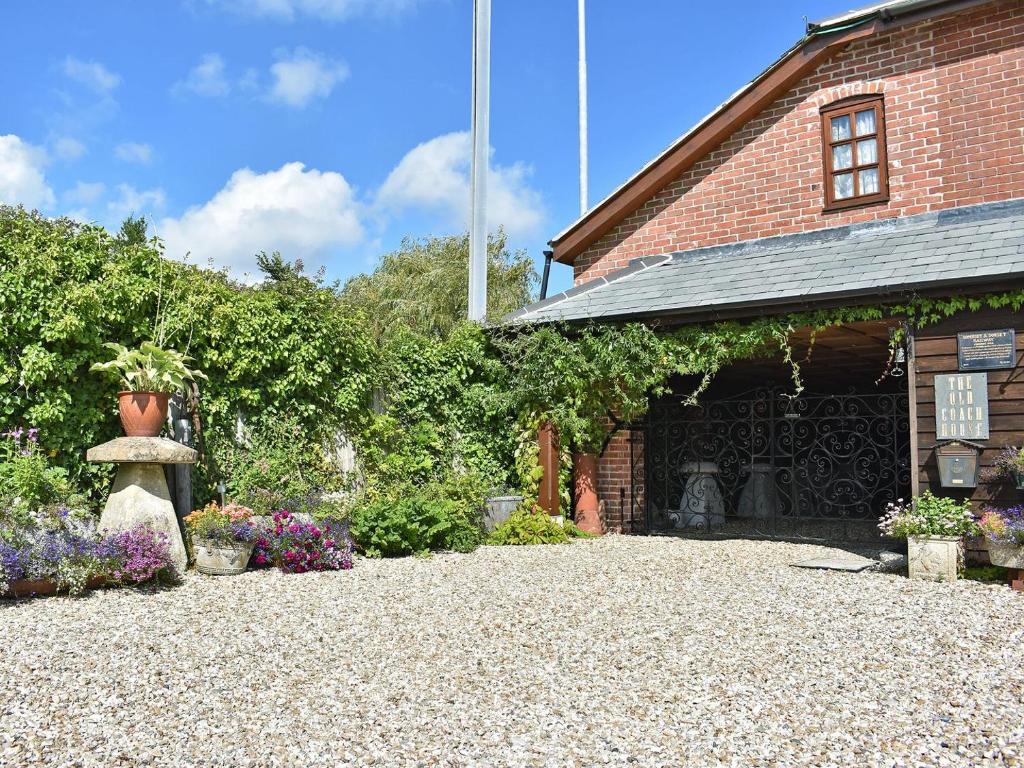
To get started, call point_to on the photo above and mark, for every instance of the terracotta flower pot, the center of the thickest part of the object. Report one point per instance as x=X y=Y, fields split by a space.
x=43 y=587
x=585 y=500
x=142 y=413
x=31 y=588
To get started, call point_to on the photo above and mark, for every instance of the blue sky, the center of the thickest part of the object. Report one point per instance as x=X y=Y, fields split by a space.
x=330 y=129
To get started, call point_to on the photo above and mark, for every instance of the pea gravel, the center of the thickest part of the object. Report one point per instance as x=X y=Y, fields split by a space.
x=620 y=651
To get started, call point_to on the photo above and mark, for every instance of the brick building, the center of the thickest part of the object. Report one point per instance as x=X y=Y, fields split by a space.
x=881 y=158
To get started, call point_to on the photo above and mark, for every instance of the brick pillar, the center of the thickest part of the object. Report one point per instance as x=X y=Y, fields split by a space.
x=615 y=482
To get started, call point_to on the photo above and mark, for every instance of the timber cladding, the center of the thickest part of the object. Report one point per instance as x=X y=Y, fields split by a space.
x=935 y=353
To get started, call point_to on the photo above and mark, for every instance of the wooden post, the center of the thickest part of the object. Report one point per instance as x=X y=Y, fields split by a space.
x=549 y=497
x=181 y=491
x=915 y=474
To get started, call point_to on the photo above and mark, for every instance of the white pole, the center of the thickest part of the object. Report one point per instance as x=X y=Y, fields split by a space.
x=584 y=204
x=478 y=171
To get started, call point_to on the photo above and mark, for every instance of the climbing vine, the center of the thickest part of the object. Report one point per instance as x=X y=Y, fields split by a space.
x=590 y=380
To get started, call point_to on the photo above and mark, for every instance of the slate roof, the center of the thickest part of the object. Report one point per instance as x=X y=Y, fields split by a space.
x=971 y=245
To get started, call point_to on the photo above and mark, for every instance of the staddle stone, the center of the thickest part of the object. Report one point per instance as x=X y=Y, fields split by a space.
x=142 y=450
x=140 y=493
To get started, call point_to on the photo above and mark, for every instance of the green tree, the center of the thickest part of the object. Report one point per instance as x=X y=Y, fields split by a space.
x=423 y=286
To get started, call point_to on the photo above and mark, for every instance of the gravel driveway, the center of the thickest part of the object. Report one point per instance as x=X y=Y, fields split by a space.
x=618 y=651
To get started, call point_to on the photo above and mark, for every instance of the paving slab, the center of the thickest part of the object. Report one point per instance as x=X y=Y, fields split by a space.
x=835 y=564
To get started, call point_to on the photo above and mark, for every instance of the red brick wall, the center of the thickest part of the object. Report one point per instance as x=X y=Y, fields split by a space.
x=615 y=484
x=954 y=106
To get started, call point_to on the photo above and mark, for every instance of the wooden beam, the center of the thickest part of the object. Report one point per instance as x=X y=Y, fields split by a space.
x=915 y=470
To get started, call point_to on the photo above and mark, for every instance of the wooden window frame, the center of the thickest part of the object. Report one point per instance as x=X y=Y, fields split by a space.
x=850 y=107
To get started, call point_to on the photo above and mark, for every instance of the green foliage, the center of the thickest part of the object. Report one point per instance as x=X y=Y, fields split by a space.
x=411 y=522
x=286 y=345
x=278 y=464
x=534 y=527
x=424 y=286
x=150 y=368
x=443 y=409
x=929 y=515
x=580 y=378
x=133 y=231
x=28 y=482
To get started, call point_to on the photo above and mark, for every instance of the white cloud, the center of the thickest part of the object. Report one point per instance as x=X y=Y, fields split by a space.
x=133 y=152
x=304 y=75
x=133 y=202
x=302 y=213
x=67 y=148
x=84 y=193
x=434 y=176
x=207 y=78
x=21 y=174
x=326 y=10
x=92 y=75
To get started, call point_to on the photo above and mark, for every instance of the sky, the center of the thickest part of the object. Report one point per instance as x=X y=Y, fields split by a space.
x=331 y=129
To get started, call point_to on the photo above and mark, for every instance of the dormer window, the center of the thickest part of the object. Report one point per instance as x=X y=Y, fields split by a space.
x=853 y=144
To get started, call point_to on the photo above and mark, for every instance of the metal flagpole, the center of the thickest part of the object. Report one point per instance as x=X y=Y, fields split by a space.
x=584 y=204
x=478 y=171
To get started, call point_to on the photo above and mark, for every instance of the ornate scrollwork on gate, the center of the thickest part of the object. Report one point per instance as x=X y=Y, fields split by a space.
x=821 y=466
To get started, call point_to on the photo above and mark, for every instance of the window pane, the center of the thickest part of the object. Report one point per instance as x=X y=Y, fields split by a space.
x=842 y=157
x=840 y=128
x=842 y=186
x=867 y=152
x=865 y=122
x=869 y=181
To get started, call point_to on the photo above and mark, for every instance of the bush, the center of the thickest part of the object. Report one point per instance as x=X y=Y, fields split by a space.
x=280 y=465
x=534 y=527
x=28 y=483
x=286 y=345
x=416 y=524
x=928 y=515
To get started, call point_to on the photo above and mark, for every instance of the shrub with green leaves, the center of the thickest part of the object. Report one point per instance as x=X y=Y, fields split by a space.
x=414 y=521
x=278 y=464
x=525 y=526
x=929 y=515
x=29 y=483
x=285 y=345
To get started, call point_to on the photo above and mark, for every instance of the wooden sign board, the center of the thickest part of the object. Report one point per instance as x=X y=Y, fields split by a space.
x=986 y=350
x=961 y=406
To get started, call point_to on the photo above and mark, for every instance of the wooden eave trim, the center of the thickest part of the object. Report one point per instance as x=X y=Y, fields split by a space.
x=705 y=138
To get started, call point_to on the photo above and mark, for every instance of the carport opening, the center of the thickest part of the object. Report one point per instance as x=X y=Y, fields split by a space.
x=752 y=459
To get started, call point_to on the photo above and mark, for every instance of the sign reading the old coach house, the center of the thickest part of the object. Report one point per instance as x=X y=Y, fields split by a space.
x=986 y=350
x=961 y=406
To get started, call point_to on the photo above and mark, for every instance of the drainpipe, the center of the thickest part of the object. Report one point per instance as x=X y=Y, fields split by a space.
x=544 y=278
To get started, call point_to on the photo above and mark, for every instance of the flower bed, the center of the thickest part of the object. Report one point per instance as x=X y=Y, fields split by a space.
x=298 y=547
x=60 y=552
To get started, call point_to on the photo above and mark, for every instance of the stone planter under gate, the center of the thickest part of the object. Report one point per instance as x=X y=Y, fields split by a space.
x=218 y=558
x=934 y=558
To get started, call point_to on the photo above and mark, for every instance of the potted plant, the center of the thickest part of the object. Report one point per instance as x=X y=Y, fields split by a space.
x=934 y=527
x=222 y=538
x=1004 y=530
x=149 y=376
x=1009 y=464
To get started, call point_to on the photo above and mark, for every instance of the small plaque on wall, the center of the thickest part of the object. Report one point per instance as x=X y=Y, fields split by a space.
x=961 y=406
x=986 y=350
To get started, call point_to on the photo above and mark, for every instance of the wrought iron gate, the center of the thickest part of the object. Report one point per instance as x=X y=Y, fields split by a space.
x=820 y=466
